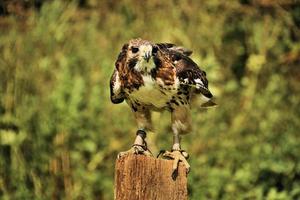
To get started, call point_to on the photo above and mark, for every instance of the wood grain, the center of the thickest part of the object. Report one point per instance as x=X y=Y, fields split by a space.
x=138 y=177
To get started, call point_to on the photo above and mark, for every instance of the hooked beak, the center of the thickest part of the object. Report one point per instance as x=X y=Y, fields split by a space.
x=147 y=56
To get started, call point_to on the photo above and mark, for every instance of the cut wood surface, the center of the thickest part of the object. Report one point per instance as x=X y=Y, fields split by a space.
x=138 y=177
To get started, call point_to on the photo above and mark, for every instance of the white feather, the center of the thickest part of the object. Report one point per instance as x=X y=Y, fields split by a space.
x=204 y=98
x=198 y=80
x=117 y=84
x=150 y=93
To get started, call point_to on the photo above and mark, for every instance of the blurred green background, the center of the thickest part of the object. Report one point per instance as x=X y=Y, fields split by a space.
x=60 y=134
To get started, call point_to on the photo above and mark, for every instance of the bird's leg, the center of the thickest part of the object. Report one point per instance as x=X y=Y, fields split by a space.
x=177 y=154
x=139 y=146
x=143 y=118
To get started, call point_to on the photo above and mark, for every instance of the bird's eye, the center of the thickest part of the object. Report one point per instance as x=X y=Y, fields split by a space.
x=154 y=50
x=134 y=49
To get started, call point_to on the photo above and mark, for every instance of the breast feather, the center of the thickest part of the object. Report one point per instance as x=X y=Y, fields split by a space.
x=150 y=93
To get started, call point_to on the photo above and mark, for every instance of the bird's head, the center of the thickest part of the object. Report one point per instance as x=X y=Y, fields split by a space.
x=140 y=55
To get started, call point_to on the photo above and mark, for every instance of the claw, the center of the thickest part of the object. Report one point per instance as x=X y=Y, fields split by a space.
x=136 y=149
x=177 y=156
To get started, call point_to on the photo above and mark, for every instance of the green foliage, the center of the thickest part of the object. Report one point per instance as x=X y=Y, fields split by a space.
x=59 y=133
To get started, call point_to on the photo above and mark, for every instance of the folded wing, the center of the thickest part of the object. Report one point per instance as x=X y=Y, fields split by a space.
x=116 y=90
x=187 y=70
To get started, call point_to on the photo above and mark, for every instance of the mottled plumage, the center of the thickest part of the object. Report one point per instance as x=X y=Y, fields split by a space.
x=175 y=75
x=158 y=76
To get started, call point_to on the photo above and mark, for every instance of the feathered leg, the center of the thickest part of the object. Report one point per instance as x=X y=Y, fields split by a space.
x=181 y=123
x=143 y=118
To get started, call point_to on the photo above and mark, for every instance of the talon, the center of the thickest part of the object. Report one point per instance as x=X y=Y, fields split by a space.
x=161 y=152
x=177 y=156
x=136 y=149
x=185 y=154
x=139 y=146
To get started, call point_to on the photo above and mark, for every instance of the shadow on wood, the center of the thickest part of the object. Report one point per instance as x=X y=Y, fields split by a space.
x=138 y=177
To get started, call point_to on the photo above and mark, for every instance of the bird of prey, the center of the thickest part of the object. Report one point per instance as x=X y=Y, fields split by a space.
x=156 y=77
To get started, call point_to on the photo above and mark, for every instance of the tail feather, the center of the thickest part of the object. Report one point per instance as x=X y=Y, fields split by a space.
x=209 y=104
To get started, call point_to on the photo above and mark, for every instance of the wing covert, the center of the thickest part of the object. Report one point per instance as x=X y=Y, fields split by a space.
x=189 y=73
x=173 y=47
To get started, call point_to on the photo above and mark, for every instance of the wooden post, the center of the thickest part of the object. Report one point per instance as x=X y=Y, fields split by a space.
x=139 y=177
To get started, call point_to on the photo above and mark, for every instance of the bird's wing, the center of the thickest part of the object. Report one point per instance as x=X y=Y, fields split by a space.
x=188 y=72
x=173 y=47
x=116 y=89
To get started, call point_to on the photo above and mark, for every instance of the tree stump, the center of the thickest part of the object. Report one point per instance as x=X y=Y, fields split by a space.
x=138 y=177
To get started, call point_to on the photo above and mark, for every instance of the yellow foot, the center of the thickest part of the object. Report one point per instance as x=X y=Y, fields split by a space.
x=178 y=155
x=136 y=149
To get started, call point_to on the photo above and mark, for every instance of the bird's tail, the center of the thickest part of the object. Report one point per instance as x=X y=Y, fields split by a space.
x=209 y=104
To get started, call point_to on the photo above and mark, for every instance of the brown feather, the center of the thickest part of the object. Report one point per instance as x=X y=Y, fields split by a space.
x=164 y=70
x=176 y=48
x=187 y=69
x=130 y=79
